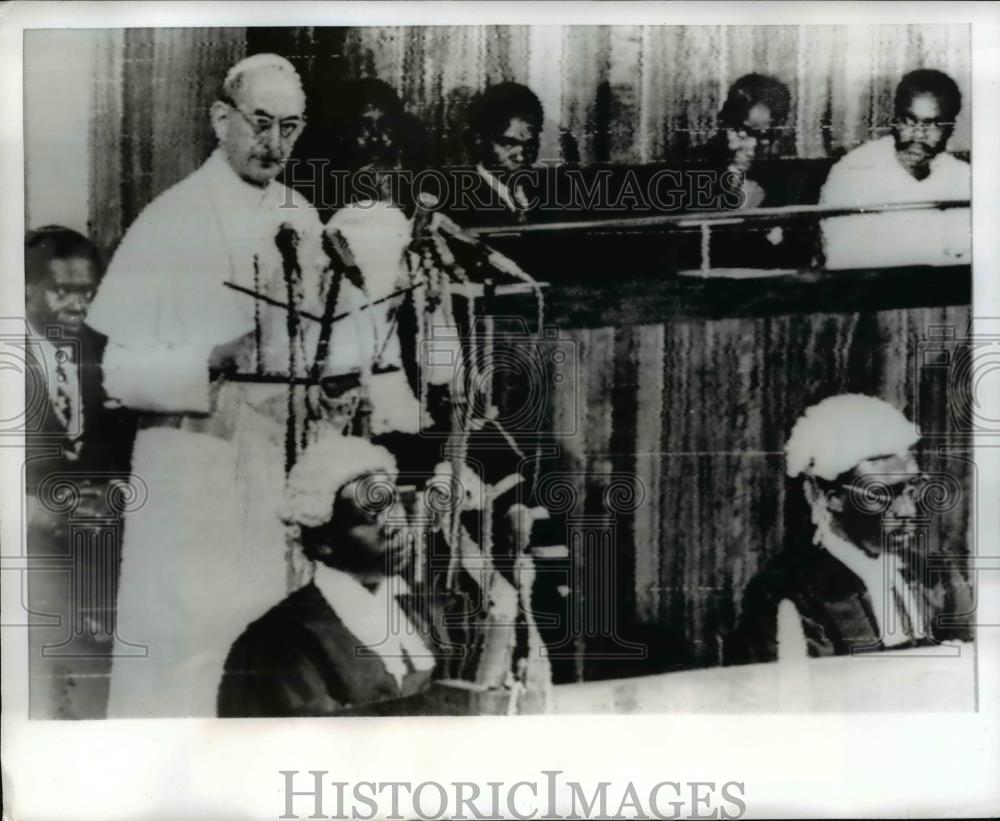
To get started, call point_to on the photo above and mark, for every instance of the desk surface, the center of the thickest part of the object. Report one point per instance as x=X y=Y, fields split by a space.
x=933 y=679
x=617 y=302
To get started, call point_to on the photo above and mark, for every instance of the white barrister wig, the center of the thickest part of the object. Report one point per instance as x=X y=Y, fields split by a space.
x=836 y=434
x=255 y=62
x=323 y=469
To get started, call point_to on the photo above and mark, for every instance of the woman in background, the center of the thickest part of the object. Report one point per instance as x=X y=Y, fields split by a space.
x=750 y=124
x=752 y=133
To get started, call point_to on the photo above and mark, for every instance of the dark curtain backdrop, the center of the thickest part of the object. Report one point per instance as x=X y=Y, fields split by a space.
x=625 y=94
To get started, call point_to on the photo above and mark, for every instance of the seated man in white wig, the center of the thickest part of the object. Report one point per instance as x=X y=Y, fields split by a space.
x=351 y=636
x=865 y=582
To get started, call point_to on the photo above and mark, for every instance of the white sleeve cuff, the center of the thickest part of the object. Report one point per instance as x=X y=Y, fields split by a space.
x=158 y=378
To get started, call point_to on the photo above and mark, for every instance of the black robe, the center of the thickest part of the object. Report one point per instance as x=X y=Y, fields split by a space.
x=835 y=607
x=299 y=659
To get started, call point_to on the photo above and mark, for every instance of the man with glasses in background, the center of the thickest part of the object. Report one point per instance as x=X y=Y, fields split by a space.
x=865 y=583
x=910 y=165
x=502 y=136
x=209 y=452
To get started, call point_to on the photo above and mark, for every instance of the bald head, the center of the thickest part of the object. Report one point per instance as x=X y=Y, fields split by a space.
x=259 y=116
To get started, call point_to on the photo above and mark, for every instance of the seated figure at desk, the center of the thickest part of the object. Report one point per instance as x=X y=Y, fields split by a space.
x=350 y=636
x=503 y=133
x=756 y=107
x=910 y=165
x=862 y=585
x=750 y=126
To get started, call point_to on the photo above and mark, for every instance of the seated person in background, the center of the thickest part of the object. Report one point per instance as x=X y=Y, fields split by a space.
x=749 y=126
x=908 y=166
x=750 y=130
x=347 y=638
x=862 y=585
x=505 y=123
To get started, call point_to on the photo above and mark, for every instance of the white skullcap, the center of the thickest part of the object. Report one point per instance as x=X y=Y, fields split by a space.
x=836 y=434
x=323 y=469
x=258 y=61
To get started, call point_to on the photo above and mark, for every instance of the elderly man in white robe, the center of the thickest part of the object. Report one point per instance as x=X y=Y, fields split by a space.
x=207 y=550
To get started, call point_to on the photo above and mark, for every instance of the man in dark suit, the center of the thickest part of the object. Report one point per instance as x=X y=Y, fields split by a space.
x=500 y=188
x=866 y=583
x=68 y=425
x=355 y=634
x=71 y=440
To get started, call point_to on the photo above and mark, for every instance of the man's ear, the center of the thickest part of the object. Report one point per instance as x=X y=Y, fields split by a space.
x=219 y=114
x=834 y=500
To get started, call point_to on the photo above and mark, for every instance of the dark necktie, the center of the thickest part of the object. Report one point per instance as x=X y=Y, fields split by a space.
x=66 y=402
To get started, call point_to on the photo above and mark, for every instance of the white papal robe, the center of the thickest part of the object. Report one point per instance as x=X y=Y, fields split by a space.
x=206 y=553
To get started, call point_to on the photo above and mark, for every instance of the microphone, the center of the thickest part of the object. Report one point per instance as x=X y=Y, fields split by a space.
x=427 y=218
x=287 y=240
x=336 y=248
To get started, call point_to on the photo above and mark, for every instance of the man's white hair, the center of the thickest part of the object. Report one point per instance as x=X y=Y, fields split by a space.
x=255 y=62
x=834 y=435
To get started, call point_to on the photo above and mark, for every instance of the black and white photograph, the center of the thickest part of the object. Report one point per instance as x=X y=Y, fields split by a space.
x=550 y=370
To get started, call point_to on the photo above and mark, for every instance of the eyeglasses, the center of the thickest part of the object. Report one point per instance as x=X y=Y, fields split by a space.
x=913 y=122
x=761 y=135
x=911 y=489
x=373 y=498
x=262 y=124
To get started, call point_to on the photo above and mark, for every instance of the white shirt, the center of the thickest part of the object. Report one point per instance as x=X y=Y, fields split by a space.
x=376 y=618
x=163 y=305
x=872 y=175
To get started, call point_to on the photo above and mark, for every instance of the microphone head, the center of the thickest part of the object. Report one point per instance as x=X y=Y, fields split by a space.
x=428 y=217
x=287 y=240
x=427 y=200
x=336 y=248
x=424 y=213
